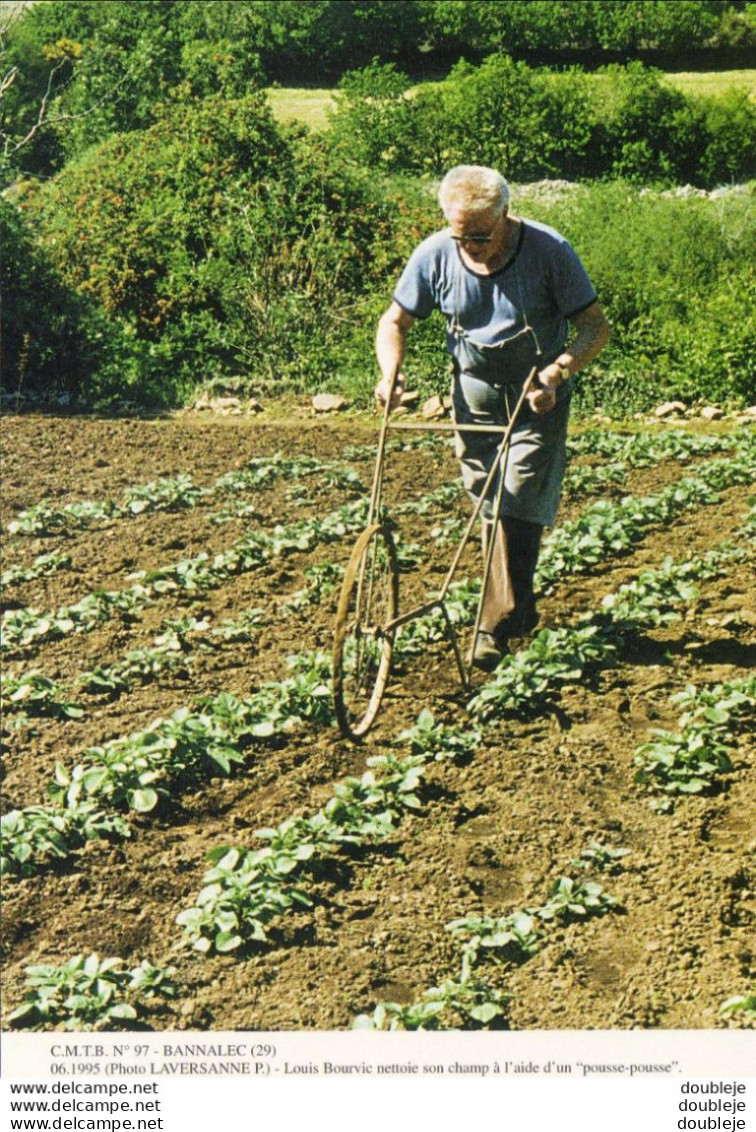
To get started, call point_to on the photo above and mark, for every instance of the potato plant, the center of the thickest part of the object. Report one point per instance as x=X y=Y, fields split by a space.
x=42 y=566
x=89 y=993
x=33 y=694
x=135 y=772
x=177 y=493
x=694 y=759
x=452 y=1005
x=171 y=494
x=40 y=835
x=139 y=666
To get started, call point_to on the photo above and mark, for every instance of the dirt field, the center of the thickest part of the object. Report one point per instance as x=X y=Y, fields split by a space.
x=493 y=832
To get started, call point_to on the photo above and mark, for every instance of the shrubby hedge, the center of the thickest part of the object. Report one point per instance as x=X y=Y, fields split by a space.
x=52 y=338
x=110 y=64
x=675 y=276
x=147 y=285
x=623 y=122
x=217 y=243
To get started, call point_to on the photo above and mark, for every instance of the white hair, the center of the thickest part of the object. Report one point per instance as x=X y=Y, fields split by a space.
x=473 y=188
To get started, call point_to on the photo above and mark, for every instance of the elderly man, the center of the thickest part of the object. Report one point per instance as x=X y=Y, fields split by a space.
x=508 y=289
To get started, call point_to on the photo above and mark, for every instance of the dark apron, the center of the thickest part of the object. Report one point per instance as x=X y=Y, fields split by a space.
x=487 y=381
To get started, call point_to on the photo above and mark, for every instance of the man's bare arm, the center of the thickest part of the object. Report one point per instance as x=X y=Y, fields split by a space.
x=390 y=348
x=592 y=335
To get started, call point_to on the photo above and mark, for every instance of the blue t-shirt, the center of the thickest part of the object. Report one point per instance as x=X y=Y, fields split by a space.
x=542 y=286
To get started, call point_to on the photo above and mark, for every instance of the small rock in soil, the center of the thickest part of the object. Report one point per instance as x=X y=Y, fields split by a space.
x=329 y=403
x=436 y=407
x=669 y=409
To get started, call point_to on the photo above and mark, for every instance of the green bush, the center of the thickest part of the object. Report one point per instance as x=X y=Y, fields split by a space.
x=498 y=115
x=138 y=226
x=48 y=333
x=374 y=118
x=648 y=132
x=730 y=152
x=222 y=244
x=502 y=113
x=675 y=278
x=624 y=122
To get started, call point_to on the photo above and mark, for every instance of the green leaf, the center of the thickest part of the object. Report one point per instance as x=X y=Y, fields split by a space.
x=61 y=775
x=485 y=1012
x=264 y=730
x=92 y=964
x=122 y=1010
x=93 y=779
x=227 y=941
x=143 y=800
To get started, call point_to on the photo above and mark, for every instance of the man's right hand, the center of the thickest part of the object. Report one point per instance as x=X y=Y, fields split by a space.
x=382 y=391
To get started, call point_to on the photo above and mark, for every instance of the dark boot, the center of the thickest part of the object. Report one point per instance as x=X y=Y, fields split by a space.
x=487 y=653
x=523 y=546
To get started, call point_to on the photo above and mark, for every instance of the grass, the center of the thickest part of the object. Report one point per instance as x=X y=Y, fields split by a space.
x=307 y=105
x=713 y=82
x=311 y=105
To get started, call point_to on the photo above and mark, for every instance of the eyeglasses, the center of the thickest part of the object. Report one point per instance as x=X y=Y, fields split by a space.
x=473 y=239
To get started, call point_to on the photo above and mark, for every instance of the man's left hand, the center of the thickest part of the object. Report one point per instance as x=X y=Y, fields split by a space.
x=542 y=394
x=541 y=400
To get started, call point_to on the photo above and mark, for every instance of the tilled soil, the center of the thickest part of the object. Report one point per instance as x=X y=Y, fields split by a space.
x=492 y=834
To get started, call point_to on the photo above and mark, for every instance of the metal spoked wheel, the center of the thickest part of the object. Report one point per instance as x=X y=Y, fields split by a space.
x=362 y=643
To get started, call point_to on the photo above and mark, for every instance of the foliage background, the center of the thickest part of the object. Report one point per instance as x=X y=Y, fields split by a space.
x=161 y=228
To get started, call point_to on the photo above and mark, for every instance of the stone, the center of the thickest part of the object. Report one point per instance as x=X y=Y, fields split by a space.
x=669 y=409
x=226 y=406
x=435 y=408
x=329 y=403
x=409 y=397
x=712 y=413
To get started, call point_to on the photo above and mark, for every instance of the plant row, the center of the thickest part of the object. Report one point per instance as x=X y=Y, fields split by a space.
x=135 y=772
x=89 y=993
x=42 y=566
x=25 y=627
x=503 y=942
x=692 y=759
x=246 y=888
x=171 y=494
x=642 y=449
x=683 y=762
x=179 y=493
x=30 y=694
